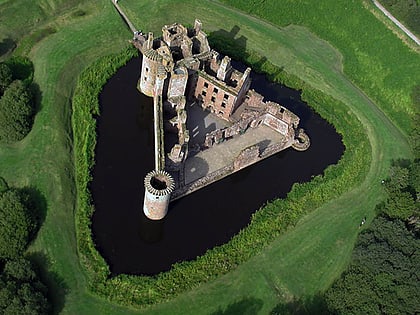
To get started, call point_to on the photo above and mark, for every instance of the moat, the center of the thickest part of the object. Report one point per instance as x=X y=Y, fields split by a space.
x=133 y=244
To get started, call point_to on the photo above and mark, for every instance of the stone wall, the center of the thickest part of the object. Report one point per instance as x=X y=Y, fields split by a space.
x=214 y=97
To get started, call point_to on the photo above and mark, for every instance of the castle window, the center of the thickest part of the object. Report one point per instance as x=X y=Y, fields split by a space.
x=224 y=105
x=145 y=79
x=147 y=69
x=206 y=85
x=203 y=93
x=226 y=96
x=215 y=90
x=213 y=99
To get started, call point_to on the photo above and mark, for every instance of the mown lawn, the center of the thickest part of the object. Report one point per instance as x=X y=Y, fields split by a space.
x=308 y=257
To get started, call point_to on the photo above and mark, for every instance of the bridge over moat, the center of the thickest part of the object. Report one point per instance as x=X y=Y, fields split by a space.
x=208 y=124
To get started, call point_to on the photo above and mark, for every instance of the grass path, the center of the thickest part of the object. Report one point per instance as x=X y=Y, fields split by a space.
x=301 y=262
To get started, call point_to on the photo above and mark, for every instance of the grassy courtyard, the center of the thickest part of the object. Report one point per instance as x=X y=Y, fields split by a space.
x=347 y=61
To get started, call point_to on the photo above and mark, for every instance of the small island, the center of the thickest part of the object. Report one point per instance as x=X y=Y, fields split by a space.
x=208 y=123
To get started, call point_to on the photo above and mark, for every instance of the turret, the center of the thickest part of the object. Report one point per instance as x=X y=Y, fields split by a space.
x=149 y=71
x=158 y=188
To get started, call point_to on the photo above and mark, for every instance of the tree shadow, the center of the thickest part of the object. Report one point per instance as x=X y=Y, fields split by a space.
x=36 y=203
x=7 y=45
x=246 y=306
x=57 y=288
x=36 y=96
x=313 y=306
x=22 y=68
x=404 y=163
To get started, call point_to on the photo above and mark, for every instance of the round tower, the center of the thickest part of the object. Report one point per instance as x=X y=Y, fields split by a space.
x=158 y=188
x=149 y=70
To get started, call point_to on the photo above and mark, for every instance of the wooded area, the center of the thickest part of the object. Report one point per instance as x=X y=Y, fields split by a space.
x=21 y=290
x=383 y=277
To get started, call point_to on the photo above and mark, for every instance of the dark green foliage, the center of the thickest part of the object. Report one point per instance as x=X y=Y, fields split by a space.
x=400 y=205
x=383 y=275
x=398 y=179
x=5 y=77
x=21 y=292
x=415 y=132
x=403 y=189
x=414 y=175
x=17 y=225
x=16 y=111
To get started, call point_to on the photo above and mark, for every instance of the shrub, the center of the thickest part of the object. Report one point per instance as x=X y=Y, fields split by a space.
x=16 y=112
x=21 y=292
x=17 y=224
x=5 y=77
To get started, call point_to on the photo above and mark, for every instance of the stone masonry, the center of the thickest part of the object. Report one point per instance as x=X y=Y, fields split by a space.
x=182 y=73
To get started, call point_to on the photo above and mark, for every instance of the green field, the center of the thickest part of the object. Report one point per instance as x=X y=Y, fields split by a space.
x=380 y=72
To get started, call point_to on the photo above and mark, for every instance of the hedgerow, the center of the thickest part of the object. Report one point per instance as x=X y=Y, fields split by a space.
x=266 y=224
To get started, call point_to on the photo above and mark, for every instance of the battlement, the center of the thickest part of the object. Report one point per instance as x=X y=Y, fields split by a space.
x=202 y=103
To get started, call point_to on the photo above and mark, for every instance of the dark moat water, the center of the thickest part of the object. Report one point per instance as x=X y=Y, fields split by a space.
x=131 y=243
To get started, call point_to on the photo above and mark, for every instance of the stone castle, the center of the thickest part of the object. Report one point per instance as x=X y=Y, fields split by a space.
x=207 y=122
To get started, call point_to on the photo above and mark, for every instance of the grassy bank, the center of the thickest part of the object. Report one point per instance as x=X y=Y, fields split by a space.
x=266 y=225
x=305 y=259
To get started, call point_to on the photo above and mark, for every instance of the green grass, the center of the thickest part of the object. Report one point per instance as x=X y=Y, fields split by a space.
x=307 y=258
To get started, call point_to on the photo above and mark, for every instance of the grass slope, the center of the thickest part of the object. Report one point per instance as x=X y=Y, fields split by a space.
x=301 y=262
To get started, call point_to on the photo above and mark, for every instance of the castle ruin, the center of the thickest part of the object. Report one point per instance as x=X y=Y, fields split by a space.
x=207 y=122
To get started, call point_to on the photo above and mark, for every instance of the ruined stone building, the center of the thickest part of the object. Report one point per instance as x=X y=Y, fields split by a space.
x=181 y=72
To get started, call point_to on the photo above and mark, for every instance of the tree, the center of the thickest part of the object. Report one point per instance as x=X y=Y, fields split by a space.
x=17 y=224
x=5 y=77
x=21 y=291
x=16 y=112
x=398 y=179
x=383 y=275
x=400 y=205
x=414 y=177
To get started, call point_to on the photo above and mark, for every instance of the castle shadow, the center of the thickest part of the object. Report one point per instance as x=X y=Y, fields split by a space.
x=234 y=45
x=195 y=168
x=151 y=231
x=229 y=42
x=199 y=123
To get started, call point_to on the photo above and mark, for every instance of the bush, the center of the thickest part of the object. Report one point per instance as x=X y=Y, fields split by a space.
x=16 y=111
x=5 y=77
x=21 y=292
x=17 y=224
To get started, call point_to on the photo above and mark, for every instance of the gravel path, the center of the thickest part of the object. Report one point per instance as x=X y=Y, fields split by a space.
x=396 y=22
